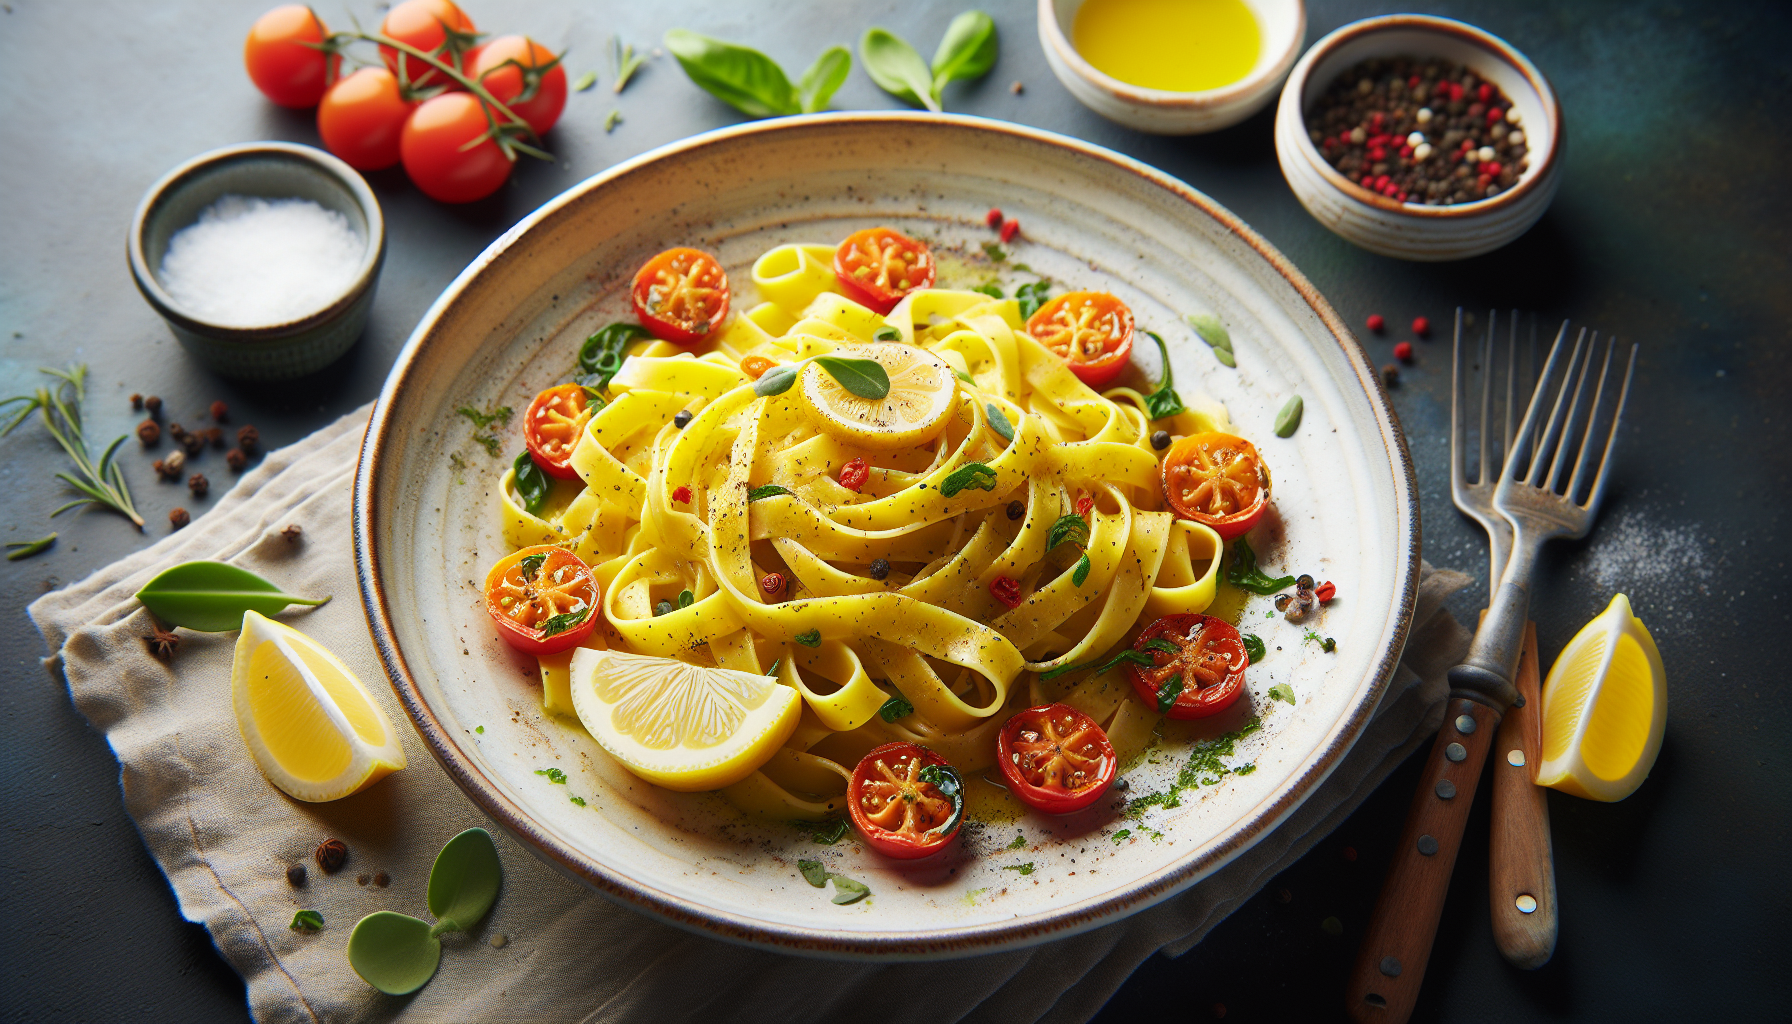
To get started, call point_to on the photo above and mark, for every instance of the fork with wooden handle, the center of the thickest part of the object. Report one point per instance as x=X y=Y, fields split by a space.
x=1537 y=494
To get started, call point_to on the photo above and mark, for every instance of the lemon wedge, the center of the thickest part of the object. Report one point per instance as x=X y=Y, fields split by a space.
x=680 y=726
x=310 y=724
x=1605 y=705
x=922 y=389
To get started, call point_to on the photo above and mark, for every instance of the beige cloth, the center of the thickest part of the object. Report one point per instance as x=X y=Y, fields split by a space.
x=224 y=836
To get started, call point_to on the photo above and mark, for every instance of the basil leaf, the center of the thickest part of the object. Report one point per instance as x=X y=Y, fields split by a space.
x=212 y=597
x=1210 y=330
x=814 y=872
x=823 y=79
x=896 y=68
x=1225 y=356
x=776 y=380
x=1032 y=296
x=998 y=421
x=395 y=953
x=464 y=881
x=555 y=775
x=686 y=599
x=887 y=333
x=307 y=921
x=1288 y=420
x=971 y=474
x=739 y=76
x=1081 y=573
x=830 y=833
x=1158 y=643
x=1120 y=836
x=563 y=622
x=602 y=354
x=1136 y=657
x=1244 y=574
x=531 y=483
x=1282 y=691
x=865 y=378
x=531 y=564
x=1253 y=648
x=991 y=289
x=944 y=778
x=847 y=890
x=967 y=378
x=896 y=707
x=968 y=50
x=809 y=639
x=1067 y=528
x=994 y=252
x=1164 y=402
x=768 y=491
x=1167 y=693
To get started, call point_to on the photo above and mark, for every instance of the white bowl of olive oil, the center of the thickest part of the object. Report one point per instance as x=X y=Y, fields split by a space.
x=1172 y=67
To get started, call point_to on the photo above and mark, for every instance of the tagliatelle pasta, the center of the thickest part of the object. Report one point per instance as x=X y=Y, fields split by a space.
x=1027 y=531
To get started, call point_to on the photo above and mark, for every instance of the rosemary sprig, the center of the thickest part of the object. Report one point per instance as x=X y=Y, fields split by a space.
x=627 y=62
x=102 y=483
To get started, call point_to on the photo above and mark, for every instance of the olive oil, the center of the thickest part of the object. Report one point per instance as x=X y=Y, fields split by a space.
x=1172 y=45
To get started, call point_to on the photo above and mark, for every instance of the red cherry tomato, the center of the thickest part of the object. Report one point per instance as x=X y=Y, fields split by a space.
x=906 y=800
x=878 y=266
x=362 y=119
x=1218 y=480
x=286 y=70
x=755 y=366
x=1055 y=758
x=1006 y=590
x=1092 y=331
x=544 y=599
x=854 y=474
x=1199 y=674
x=681 y=295
x=436 y=154
x=426 y=24
x=524 y=76
x=552 y=426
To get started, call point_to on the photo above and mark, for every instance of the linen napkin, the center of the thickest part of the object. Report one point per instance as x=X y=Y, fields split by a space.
x=550 y=950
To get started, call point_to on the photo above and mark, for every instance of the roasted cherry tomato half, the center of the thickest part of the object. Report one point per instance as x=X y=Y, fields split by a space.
x=1201 y=658
x=877 y=267
x=1055 y=758
x=552 y=426
x=1217 y=480
x=906 y=800
x=544 y=599
x=1092 y=331
x=681 y=295
x=282 y=64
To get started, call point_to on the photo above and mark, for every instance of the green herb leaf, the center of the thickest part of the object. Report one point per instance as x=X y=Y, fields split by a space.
x=768 y=491
x=1071 y=528
x=627 y=62
x=686 y=599
x=1329 y=645
x=896 y=707
x=968 y=51
x=831 y=832
x=531 y=564
x=1167 y=694
x=998 y=421
x=480 y=729
x=602 y=354
x=1025 y=869
x=814 y=872
x=848 y=890
x=1164 y=402
x=481 y=420
x=1136 y=657
x=1282 y=691
x=971 y=474
x=1160 y=644
x=823 y=79
x=809 y=639
x=967 y=378
x=1288 y=420
x=777 y=380
x=577 y=800
x=739 y=76
x=991 y=289
x=1020 y=842
x=394 y=953
x=1225 y=356
x=1253 y=648
x=307 y=921
x=887 y=333
x=564 y=621
x=464 y=881
x=996 y=255
x=774 y=669
x=611 y=120
x=1032 y=296
x=27 y=548
x=1080 y=574
x=865 y=378
x=1210 y=330
x=896 y=68
x=555 y=775
x=60 y=409
x=1120 y=836
x=212 y=597
x=585 y=82
x=1244 y=574
x=945 y=778
x=531 y=483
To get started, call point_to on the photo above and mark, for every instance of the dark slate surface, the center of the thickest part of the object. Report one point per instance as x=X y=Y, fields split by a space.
x=1671 y=228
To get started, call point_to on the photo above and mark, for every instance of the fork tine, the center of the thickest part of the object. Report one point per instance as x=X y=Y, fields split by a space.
x=1458 y=438
x=1532 y=436
x=1558 y=467
x=1551 y=434
x=1611 y=440
x=1486 y=348
x=1586 y=441
x=1512 y=380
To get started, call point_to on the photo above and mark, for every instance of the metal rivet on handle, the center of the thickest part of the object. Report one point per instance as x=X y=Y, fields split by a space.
x=1390 y=966
x=1518 y=702
x=1428 y=845
x=1527 y=904
x=1446 y=789
x=1456 y=752
x=1465 y=724
x=1515 y=757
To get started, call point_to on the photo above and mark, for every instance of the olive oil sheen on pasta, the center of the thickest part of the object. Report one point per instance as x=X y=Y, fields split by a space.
x=1172 y=45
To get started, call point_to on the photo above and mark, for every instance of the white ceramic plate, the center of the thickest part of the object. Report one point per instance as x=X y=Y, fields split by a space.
x=426 y=530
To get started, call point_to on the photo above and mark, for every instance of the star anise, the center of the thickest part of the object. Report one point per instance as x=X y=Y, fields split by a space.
x=163 y=642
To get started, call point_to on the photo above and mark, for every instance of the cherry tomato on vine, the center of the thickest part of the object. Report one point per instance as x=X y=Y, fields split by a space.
x=524 y=76
x=1055 y=758
x=681 y=295
x=1197 y=665
x=1091 y=331
x=280 y=63
x=906 y=800
x=426 y=25
x=1217 y=480
x=362 y=119
x=436 y=154
x=544 y=599
x=878 y=266
x=552 y=426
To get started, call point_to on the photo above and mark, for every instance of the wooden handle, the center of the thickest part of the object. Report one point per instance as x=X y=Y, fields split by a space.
x=1522 y=871
x=1390 y=965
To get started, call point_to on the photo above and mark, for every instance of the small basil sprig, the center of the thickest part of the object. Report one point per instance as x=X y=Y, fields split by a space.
x=896 y=707
x=1168 y=692
x=212 y=597
x=944 y=778
x=971 y=474
x=810 y=639
x=753 y=83
x=1032 y=296
x=1081 y=573
x=768 y=491
x=1164 y=402
x=1136 y=657
x=829 y=832
x=397 y=953
x=531 y=483
x=846 y=890
x=306 y=921
x=865 y=378
x=967 y=51
x=531 y=564
x=1282 y=691
x=602 y=354
x=1072 y=528
x=564 y=621
x=1244 y=574
x=998 y=421
x=1253 y=647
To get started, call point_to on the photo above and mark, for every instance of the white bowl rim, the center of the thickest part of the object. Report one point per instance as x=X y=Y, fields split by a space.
x=943 y=943
x=1243 y=89
x=1494 y=45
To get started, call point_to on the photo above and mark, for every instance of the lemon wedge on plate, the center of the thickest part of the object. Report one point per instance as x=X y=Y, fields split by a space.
x=922 y=390
x=684 y=727
x=1605 y=706
x=312 y=727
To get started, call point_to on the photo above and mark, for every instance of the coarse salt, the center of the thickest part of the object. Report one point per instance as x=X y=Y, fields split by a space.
x=251 y=262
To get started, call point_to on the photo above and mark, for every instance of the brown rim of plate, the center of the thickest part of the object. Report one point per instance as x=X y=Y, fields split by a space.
x=1487 y=41
x=1221 y=96
x=911 y=945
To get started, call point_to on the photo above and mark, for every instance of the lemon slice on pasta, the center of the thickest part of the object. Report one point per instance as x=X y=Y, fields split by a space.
x=922 y=388
x=681 y=726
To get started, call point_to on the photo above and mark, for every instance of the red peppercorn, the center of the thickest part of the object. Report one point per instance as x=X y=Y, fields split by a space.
x=1009 y=230
x=1494 y=114
x=1484 y=93
x=1084 y=505
x=772 y=583
x=993 y=218
x=1376 y=322
x=1468 y=145
x=1413 y=82
x=854 y=474
x=1421 y=326
x=682 y=495
x=1325 y=592
x=1406 y=152
x=1403 y=351
x=1006 y=591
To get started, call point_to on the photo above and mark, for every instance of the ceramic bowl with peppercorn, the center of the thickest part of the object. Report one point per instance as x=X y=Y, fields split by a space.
x=1421 y=138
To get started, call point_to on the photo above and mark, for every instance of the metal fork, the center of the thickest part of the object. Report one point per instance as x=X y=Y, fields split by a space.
x=1541 y=498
